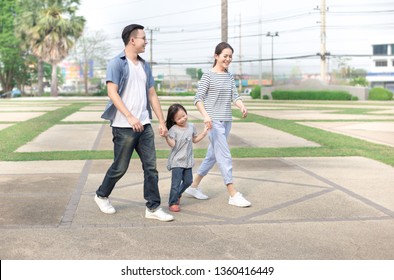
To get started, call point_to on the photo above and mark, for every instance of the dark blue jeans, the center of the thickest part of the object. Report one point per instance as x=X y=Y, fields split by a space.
x=181 y=179
x=125 y=142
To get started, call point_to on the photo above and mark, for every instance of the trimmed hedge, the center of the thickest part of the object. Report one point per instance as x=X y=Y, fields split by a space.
x=379 y=93
x=256 y=92
x=311 y=95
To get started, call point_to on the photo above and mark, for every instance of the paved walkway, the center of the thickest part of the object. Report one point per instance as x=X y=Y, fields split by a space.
x=303 y=208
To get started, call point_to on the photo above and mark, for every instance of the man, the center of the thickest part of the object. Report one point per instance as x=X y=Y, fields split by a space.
x=130 y=87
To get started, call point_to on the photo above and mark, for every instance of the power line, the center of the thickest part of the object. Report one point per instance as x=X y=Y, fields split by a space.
x=267 y=59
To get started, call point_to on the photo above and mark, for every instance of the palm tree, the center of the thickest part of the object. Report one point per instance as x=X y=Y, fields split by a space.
x=55 y=33
x=25 y=21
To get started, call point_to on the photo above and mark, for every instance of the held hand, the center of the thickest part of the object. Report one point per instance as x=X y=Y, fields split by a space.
x=208 y=122
x=206 y=129
x=163 y=131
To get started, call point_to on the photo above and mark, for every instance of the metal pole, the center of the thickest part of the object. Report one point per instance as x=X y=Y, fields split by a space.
x=224 y=21
x=272 y=35
x=272 y=60
x=323 y=67
x=151 y=48
x=151 y=43
x=240 y=55
x=260 y=52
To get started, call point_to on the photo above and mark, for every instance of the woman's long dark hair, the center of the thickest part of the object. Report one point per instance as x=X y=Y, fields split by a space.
x=220 y=47
x=174 y=108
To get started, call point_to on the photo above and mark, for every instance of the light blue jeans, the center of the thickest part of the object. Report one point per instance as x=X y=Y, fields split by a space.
x=218 y=151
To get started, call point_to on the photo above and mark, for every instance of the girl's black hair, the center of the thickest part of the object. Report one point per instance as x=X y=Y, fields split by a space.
x=220 y=47
x=174 y=108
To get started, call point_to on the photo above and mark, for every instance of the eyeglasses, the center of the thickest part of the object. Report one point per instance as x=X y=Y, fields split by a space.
x=143 y=38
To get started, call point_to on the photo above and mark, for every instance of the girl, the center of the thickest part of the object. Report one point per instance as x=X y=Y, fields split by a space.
x=181 y=136
x=216 y=92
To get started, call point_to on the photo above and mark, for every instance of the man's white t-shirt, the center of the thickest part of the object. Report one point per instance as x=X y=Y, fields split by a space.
x=134 y=96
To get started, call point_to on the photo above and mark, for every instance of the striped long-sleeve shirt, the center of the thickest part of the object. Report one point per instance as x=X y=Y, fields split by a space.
x=217 y=92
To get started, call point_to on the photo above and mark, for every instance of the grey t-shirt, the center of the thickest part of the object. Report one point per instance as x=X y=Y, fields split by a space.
x=181 y=154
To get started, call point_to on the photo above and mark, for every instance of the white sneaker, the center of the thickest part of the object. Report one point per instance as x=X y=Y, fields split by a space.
x=238 y=200
x=196 y=193
x=159 y=214
x=104 y=204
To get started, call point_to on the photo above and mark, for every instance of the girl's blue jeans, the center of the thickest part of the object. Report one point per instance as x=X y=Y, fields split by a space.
x=181 y=179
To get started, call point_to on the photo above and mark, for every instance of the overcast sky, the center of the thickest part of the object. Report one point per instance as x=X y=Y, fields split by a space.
x=188 y=31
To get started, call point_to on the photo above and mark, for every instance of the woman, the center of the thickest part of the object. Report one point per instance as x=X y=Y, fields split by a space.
x=216 y=92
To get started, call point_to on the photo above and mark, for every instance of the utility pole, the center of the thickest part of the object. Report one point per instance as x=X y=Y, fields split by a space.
x=272 y=35
x=224 y=21
x=151 y=43
x=240 y=55
x=260 y=50
x=169 y=74
x=323 y=52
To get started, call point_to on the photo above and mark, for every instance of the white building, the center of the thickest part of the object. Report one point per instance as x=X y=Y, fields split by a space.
x=382 y=68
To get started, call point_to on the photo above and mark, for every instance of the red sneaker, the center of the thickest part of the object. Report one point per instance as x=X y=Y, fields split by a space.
x=174 y=208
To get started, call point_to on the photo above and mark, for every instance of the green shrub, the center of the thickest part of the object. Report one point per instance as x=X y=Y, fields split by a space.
x=379 y=93
x=311 y=95
x=102 y=90
x=354 y=98
x=256 y=92
x=266 y=97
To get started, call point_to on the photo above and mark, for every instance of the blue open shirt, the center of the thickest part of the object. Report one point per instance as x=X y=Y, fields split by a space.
x=118 y=73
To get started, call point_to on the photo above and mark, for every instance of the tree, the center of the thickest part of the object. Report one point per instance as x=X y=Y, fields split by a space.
x=10 y=54
x=199 y=73
x=343 y=67
x=90 y=47
x=192 y=72
x=359 y=81
x=55 y=33
x=25 y=22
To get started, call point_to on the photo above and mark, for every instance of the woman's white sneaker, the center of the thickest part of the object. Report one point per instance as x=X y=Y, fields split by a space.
x=158 y=214
x=196 y=193
x=238 y=200
x=104 y=204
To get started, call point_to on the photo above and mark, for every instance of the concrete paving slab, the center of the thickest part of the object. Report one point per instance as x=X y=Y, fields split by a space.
x=376 y=132
x=64 y=138
x=41 y=167
x=330 y=205
x=35 y=200
x=323 y=241
x=195 y=115
x=390 y=111
x=84 y=117
x=29 y=108
x=240 y=136
x=264 y=136
x=303 y=208
x=357 y=176
x=98 y=108
x=332 y=104
x=20 y=116
x=257 y=107
x=315 y=115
